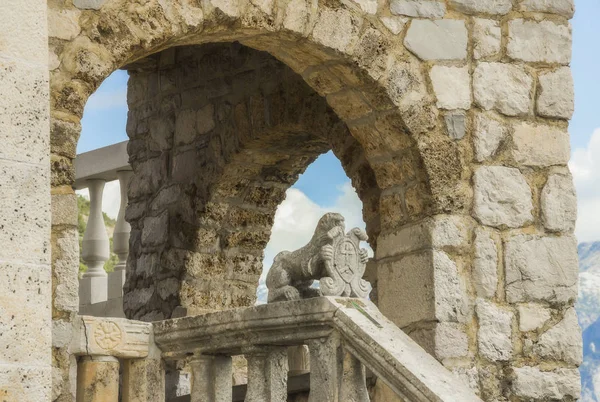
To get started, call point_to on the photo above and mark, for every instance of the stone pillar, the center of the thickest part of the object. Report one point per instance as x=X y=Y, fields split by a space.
x=267 y=374
x=326 y=365
x=143 y=380
x=95 y=249
x=98 y=379
x=25 y=273
x=211 y=378
x=116 y=279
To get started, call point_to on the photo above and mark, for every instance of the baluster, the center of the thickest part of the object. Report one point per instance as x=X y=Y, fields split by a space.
x=267 y=374
x=335 y=375
x=298 y=360
x=211 y=378
x=95 y=249
x=116 y=279
x=97 y=379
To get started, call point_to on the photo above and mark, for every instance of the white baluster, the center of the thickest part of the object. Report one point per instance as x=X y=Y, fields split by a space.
x=95 y=249
x=116 y=279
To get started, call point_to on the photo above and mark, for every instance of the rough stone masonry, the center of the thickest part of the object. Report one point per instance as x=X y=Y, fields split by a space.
x=450 y=117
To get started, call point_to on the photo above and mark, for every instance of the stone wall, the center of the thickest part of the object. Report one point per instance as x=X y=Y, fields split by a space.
x=25 y=275
x=218 y=133
x=459 y=108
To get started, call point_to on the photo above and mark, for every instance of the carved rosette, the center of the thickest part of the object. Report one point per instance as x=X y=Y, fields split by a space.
x=108 y=335
x=345 y=266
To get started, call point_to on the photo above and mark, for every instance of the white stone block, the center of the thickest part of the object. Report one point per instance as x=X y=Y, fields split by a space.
x=452 y=87
x=418 y=8
x=531 y=382
x=556 y=94
x=504 y=87
x=563 y=341
x=486 y=38
x=394 y=24
x=456 y=124
x=494 y=7
x=63 y=24
x=532 y=316
x=437 y=40
x=449 y=231
x=495 y=331
x=488 y=134
x=502 y=197
x=566 y=8
x=450 y=298
x=543 y=41
x=485 y=264
x=559 y=203
x=336 y=29
x=541 y=269
x=368 y=6
x=540 y=145
x=451 y=341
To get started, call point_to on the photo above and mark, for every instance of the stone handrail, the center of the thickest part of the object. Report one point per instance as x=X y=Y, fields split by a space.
x=99 y=293
x=343 y=335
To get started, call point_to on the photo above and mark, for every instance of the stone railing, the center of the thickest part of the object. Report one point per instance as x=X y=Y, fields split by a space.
x=101 y=294
x=344 y=335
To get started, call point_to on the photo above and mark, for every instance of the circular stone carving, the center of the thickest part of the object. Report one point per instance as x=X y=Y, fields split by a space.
x=108 y=335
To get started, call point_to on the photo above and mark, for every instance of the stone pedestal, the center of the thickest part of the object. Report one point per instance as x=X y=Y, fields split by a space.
x=143 y=380
x=98 y=379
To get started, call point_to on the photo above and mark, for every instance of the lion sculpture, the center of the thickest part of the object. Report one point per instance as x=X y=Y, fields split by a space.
x=331 y=256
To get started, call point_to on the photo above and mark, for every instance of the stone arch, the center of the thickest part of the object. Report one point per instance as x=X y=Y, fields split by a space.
x=346 y=54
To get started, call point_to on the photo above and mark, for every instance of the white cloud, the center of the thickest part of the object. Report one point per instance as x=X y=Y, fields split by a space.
x=585 y=166
x=104 y=99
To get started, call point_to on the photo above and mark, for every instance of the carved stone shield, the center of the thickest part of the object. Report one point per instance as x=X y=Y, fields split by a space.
x=345 y=267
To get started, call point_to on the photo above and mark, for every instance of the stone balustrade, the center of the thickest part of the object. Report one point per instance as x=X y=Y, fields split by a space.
x=345 y=337
x=101 y=294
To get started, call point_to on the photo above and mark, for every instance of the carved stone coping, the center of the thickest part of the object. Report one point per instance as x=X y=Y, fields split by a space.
x=118 y=337
x=381 y=346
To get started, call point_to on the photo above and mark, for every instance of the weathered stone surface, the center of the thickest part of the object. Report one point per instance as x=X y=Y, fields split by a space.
x=418 y=8
x=559 y=203
x=482 y=6
x=541 y=269
x=531 y=382
x=503 y=87
x=156 y=229
x=486 y=38
x=89 y=4
x=543 y=41
x=540 y=145
x=565 y=8
x=532 y=316
x=488 y=134
x=456 y=125
x=437 y=40
x=336 y=29
x=63 y=24
x=451 y=341
x=368 y=6
x=495 y=331
x=98 y=379
x=64 y=209
x=451 y=86
x=450 y=297
x=485 y=264
x=563 y=341
x=296 y=16
x=502 y=197
x=449 y=231
x=394 y=24
x=556 y=94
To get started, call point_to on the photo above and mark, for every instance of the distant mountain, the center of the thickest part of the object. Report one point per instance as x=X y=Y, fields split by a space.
x=588 y=311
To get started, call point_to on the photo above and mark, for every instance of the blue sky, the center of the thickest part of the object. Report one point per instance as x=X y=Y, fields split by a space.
x=325 y=186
